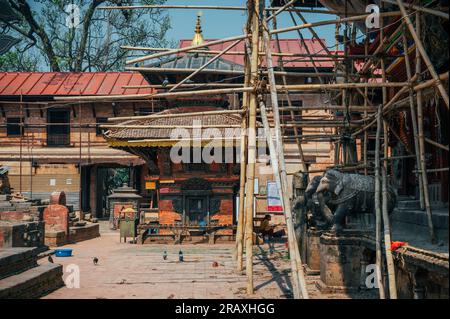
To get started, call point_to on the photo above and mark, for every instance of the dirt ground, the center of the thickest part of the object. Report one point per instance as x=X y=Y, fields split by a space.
x=127 y=270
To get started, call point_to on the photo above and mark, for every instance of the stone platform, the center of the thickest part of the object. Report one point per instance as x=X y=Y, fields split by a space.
x=22 y=277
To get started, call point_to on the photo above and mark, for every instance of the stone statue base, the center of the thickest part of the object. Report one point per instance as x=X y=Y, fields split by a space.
x=312 y=253
x=340 y=261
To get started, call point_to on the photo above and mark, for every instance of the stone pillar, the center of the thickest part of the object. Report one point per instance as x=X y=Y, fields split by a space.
x=313 y=251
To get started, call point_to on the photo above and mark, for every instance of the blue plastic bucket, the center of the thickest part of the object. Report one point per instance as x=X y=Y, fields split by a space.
x=63 y=252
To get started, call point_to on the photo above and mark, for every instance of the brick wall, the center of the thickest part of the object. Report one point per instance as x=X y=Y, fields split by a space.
x=56 y=217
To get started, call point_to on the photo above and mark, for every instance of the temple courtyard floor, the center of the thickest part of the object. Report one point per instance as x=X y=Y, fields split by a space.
x=126 y=270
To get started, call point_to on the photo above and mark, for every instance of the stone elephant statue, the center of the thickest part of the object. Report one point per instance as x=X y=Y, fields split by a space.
x=351 y=194
x=310 y=208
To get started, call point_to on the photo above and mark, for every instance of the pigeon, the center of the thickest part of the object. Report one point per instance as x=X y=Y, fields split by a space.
x=95 y=261
x=50 y=259
x=165 y=82
x=165 y=255
x=180 y=256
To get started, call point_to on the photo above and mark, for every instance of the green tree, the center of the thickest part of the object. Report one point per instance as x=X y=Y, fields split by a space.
x=93 y=45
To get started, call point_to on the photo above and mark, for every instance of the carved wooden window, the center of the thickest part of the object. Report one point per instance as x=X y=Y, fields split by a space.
x=13 y=127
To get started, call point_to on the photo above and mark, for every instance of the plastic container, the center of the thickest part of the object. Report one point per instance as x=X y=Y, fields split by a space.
x=63 y=252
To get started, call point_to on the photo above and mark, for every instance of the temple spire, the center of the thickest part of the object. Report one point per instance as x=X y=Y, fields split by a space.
x=198 y=37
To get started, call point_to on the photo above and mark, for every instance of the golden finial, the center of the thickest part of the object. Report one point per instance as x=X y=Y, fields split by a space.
x=198 y=37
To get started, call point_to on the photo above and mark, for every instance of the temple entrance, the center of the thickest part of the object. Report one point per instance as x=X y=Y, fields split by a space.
x=197 y=210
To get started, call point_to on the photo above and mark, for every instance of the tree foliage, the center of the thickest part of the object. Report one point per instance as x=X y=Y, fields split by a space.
x=94 y=45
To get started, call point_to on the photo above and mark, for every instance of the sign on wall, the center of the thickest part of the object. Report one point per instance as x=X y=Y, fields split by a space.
x=274 y=203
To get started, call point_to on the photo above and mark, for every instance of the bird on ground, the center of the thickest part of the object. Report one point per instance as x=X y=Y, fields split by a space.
x=95 y=261
x=165 y=255
x=50 y=259
x=180 y=256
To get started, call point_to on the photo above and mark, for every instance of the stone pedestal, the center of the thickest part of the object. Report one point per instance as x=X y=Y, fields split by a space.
x=312 y=254
x=340 y=261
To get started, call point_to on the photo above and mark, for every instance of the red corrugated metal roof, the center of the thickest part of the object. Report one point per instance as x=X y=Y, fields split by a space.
x=287 y=46
x=66 y=83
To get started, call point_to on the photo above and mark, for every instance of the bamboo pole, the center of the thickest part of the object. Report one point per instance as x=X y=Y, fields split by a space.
x=299 y=282
x=291 y=112
x=378 y=213
x=366 y=93
x=285 y=88
x=412 y=110
x=423 y=165
x=173 y=115
x=206 y=64
x=282 y=54
x=438 y=145
x=420 y=48
x=242 y=36
x=387 y=238
x=422 y=9
x=249 y=204
x=384 y=208
x=217 y=71
x=243 y=165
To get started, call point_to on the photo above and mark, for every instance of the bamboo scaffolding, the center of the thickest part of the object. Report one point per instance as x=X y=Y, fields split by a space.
x=173 y=115
x=240 y=233
x=422 y=9
x=249 y=203
x=228 y=48
x=420 y=48
x=299 y=282
x=282 y=54
x=423 y=166
x=384 y=185
x=438 y=145
x=412 y=110
x=204 y=7
x=226 y=72
x=291 y=112
x=378 y=213
x=243 y=36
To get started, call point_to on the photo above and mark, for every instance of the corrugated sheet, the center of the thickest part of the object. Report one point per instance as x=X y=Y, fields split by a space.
x=287 y=46
x=66 y=83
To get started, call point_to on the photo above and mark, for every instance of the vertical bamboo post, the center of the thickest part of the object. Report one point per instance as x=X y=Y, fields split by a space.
x=423 y=165
x=387 y=238
x=420 y=49
x=243 y=166
x=249 y=204
x=366 y=92
x=378 y=217
x=296 y=133
x=412 y=110
x=384 y=168
x=299 y=282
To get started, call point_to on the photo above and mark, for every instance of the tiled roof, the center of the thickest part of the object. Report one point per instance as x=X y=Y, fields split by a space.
x=172 y=123
x=66 y=83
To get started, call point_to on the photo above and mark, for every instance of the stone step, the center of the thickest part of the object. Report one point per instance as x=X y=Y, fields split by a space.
x=17 y=259
x=32 y=283
x=419 y=217
x=408 y=204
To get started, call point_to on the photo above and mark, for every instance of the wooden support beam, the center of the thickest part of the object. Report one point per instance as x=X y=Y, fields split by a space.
x=438 y=145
